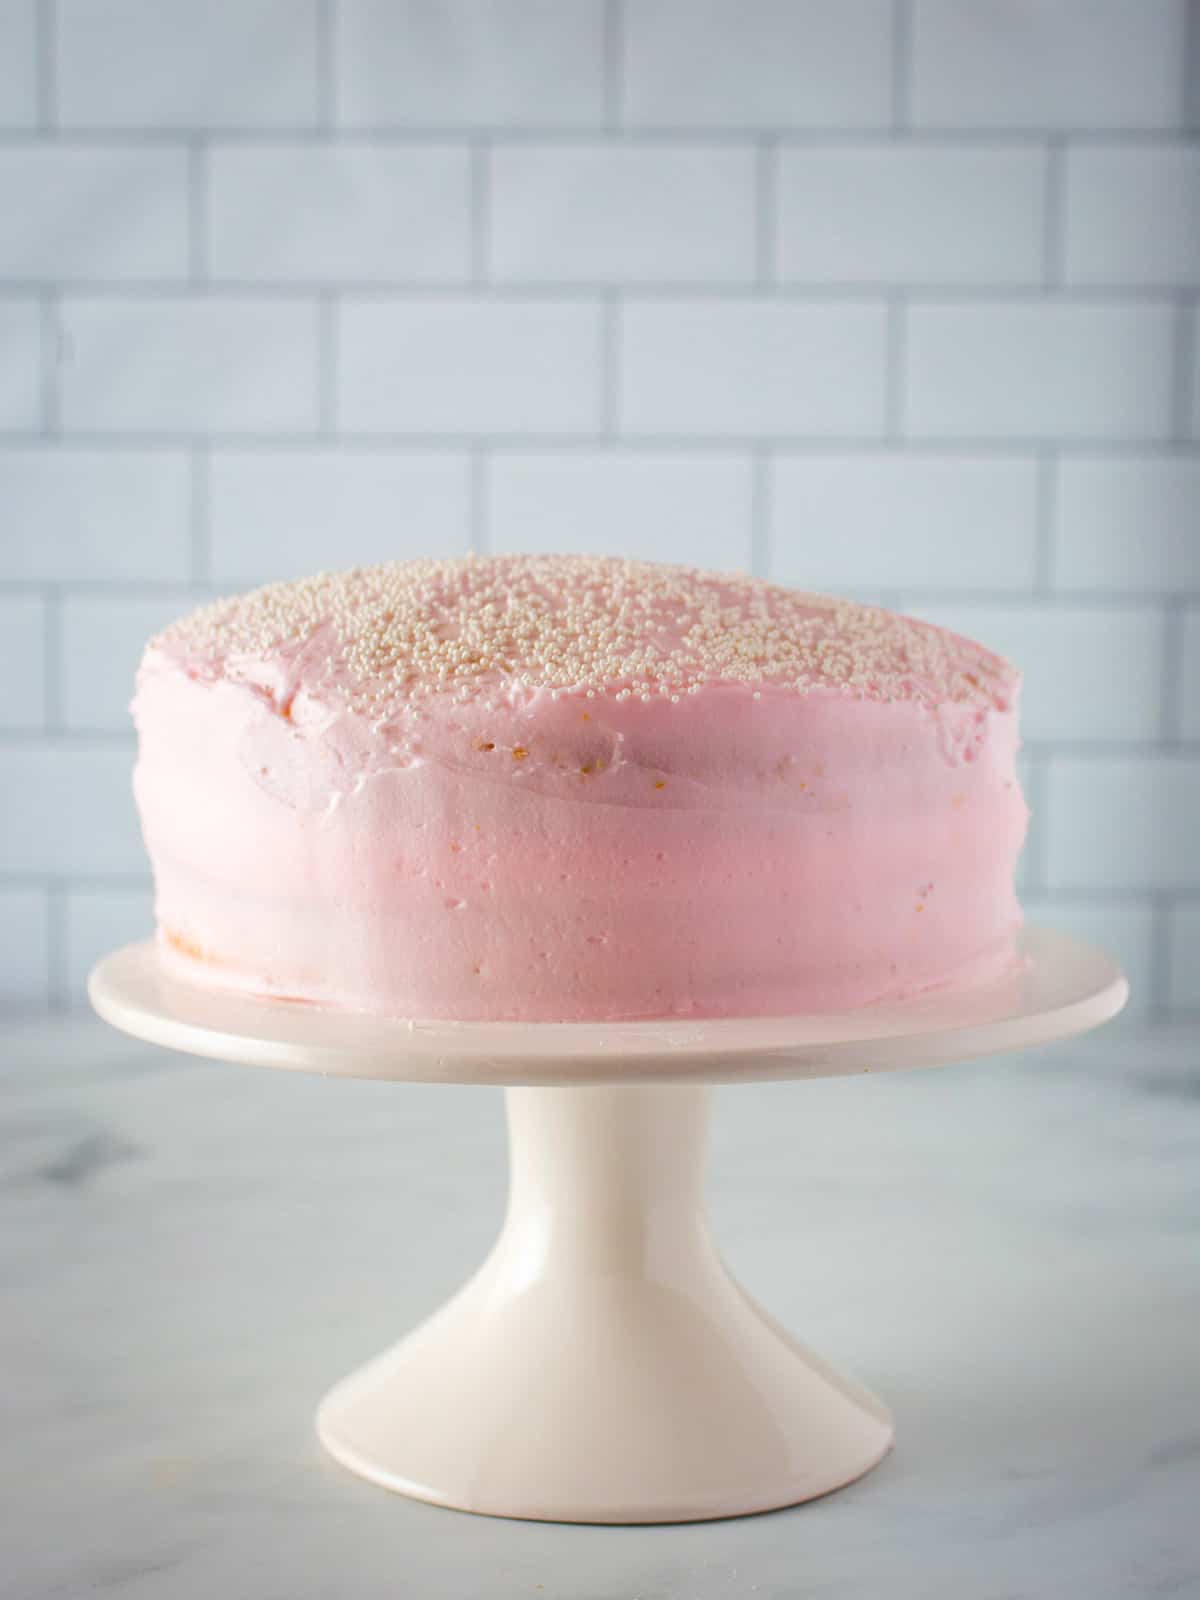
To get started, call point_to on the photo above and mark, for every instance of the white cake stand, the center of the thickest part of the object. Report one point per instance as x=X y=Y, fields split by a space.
x=602 y=1365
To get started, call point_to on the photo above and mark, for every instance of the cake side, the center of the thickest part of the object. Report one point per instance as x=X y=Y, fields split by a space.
x=492 y=846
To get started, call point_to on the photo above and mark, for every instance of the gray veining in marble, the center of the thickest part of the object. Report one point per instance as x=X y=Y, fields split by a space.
x=190 y=1254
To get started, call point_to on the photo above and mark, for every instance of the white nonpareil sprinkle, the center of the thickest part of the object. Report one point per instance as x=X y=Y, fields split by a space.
x=408 y=630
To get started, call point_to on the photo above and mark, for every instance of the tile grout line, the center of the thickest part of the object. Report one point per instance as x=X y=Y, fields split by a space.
x=1183 y=367
x=1045 y=520
x=200 y=513
x=1171 y=692
x=844 y=292
x=326 y=64
x=52 y=343
x=1027 y=136
x=327 y=363
x=197 y=183
x=1189 y=109
x=480 y=473
x=918 y=446
x=46 y=64
x=760 y=512
x=57 y=985
x=1161 y=952
x=53 y=659
x=902 y=65
x=479 y=179
x=766 y=193
x=895 y=374
x=609 y=420
x=1054 y=214
x=614 y=64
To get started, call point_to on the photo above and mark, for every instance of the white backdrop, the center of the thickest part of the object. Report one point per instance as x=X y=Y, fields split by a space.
x=891 y=297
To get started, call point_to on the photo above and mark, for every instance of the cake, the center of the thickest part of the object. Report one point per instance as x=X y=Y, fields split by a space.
x=575 y=788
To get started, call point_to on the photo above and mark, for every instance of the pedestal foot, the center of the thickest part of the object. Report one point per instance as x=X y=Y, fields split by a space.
x=602 y=1365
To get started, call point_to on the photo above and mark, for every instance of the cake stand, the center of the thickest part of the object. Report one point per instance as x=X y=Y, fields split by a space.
x=603 y=1365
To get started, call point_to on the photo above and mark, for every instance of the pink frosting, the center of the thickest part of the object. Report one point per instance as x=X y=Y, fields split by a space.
x=502 y=847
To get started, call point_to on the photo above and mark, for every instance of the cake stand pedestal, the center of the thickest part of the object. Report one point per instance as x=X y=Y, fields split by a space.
x=603 y=1365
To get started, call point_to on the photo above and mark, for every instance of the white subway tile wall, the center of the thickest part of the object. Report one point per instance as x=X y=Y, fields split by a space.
x=285 y=513
x=174 y=64
x=73 y=212
x=895 y=298
x=20 y=365
x=22 y=661
x=605 y=214
x=751 y=367
x=295 y=213
x=1040 y=369
x=685 y=507
x=175 y=365
x=468 y=366
x=891 y=214
x=756 y=63
x=25 y=972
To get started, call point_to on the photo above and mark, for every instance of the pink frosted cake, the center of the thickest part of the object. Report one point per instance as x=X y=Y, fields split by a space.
x=575 y=788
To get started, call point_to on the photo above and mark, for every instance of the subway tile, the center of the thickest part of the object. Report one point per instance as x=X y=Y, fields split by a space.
x=659 y=506
x=20 y=365
x=70 y=213
x=861 y=519
x=637 y=213
x=18 y=64
x=463 y=366
x=910 y=214
x=705 y=63
x=1183 y=973
x=1048 y=64
x=25 y=935
x=1124 y=822
x=1124 y=930
x=22 y=661
x=184 y=365
x=175 y=64
x=460 y=63
x=103 y=639
x=100 y=919
x=1022 y=369
x=751 y=367
x=284 y=514
x=89 y=515
x=67 y=809
x=1133 y=214
x=1127 y=524
x=299 y=212
x=1189 y=676
x=1091 y=673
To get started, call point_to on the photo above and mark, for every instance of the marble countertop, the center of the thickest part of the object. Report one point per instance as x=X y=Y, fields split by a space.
x=1008 y=1252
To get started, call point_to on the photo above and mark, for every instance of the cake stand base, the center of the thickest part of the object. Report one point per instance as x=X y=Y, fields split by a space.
x=602 y=1365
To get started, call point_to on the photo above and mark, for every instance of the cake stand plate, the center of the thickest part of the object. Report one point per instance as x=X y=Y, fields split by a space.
x=603 y=1365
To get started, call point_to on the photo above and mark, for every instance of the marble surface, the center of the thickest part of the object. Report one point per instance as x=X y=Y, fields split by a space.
x=1008 y=1251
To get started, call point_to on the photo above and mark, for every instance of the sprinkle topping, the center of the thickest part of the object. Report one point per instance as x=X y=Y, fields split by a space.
x=377 y=638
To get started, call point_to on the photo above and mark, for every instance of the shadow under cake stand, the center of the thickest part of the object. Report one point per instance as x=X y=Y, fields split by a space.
x=603 y=1365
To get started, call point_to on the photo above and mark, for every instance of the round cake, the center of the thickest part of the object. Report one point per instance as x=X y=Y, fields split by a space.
x=575 y=788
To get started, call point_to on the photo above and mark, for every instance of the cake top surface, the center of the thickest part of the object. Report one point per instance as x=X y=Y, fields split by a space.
x=377 y=638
